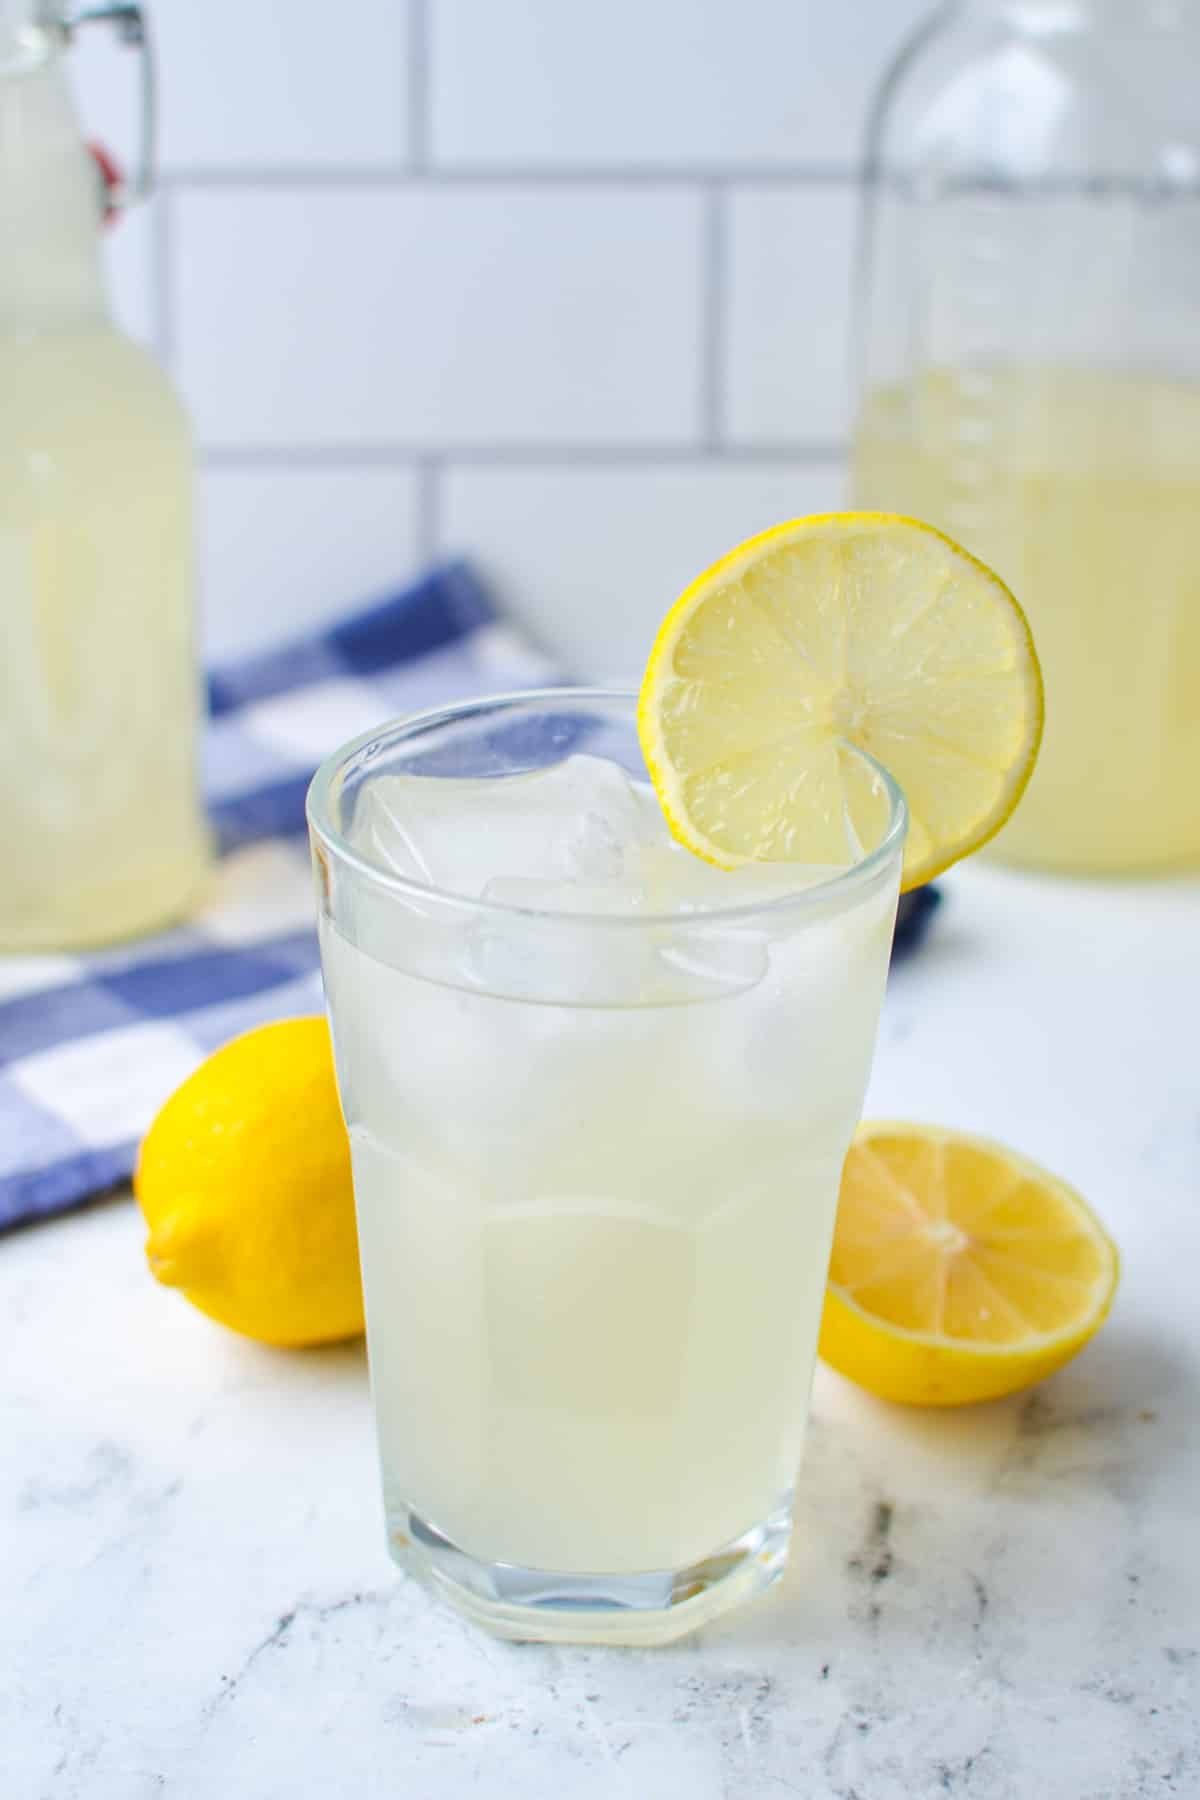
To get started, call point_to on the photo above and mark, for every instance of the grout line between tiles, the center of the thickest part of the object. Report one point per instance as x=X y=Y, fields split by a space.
x=428 y=505
x=501 y=456
x=309 y=456
x=418 y=85
x=714 y=274
x=422 y=174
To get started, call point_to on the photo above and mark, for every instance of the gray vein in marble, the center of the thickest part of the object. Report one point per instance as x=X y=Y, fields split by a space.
x=107 y=1465
x=276 y=1639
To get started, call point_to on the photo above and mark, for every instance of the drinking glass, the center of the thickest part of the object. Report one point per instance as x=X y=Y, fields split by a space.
x=596 y=1147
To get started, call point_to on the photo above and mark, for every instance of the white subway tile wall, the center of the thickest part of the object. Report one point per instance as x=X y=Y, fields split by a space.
x=717 y=85
x=590 y=555
x=559 y=287
x=437 y=317
x=786 y=341
x=297 y=545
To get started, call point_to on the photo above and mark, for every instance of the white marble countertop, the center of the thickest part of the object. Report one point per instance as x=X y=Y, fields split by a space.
x=195 y=1599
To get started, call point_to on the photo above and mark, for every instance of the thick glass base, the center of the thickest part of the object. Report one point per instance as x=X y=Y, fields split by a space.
x=540 y=1606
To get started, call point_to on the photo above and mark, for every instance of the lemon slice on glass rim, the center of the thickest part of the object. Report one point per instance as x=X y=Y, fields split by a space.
x=862 y=629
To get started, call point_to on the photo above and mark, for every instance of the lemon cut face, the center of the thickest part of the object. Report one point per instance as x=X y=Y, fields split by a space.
x=960 y=1271
x=861 y=629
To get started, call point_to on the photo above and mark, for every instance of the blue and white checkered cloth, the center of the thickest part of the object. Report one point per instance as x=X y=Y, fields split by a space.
x=92 y=1044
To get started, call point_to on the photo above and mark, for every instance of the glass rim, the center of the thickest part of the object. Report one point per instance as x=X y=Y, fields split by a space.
x=838 y=890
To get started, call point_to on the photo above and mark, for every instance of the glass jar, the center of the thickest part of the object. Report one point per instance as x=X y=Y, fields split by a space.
x=1029 y=308
x=99 y=697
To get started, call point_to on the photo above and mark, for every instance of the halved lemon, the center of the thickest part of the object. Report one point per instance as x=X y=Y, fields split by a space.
x=858 y=627
x=960 y=1271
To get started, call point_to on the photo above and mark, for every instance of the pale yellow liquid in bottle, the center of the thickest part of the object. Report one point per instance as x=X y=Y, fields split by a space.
x=98 y=686
x=1082 y=489
x=100 y=820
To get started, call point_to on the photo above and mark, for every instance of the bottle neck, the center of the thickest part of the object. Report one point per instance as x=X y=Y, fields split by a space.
x=51 y=274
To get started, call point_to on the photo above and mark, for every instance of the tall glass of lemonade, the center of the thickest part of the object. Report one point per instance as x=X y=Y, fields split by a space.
x=598 y=1095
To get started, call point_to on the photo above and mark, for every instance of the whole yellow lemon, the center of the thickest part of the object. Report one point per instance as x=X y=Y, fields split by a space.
x=244 y=1182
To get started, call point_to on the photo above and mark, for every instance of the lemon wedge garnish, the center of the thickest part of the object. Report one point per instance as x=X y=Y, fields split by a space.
x=960 y=1271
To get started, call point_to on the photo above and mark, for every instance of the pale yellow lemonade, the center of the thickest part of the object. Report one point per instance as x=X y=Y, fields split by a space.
x=1082 y=490
x=99 y=693
x=595 y=1174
